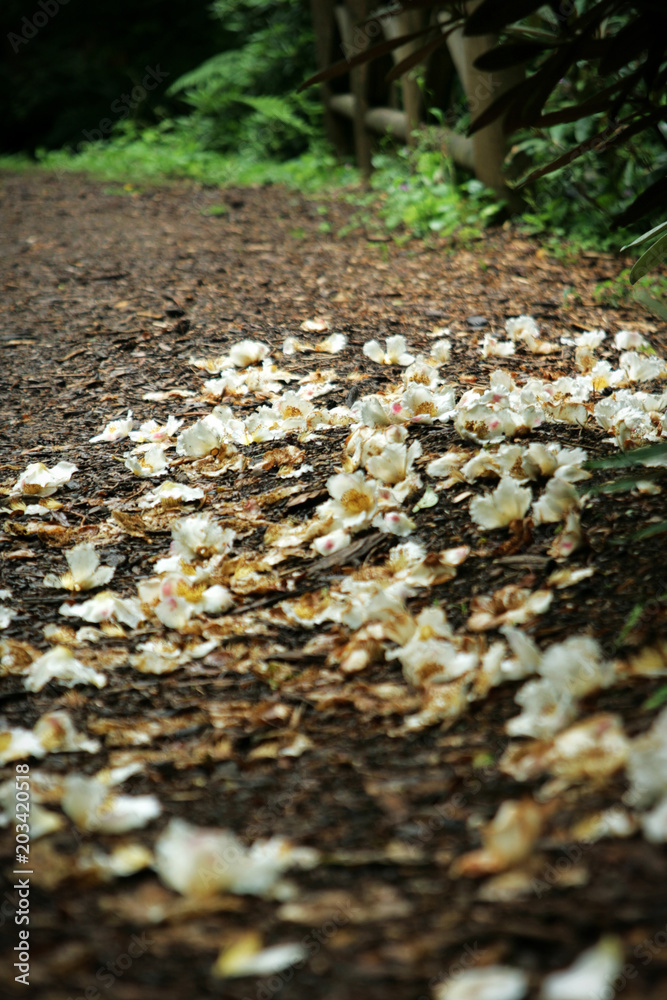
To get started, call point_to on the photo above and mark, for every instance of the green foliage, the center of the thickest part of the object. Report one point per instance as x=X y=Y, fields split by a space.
x=657 y=699
x=416 y=193
x=653 y=456
x=163 y=153
x=650 y=258
x=580 y=200
x=244 y=99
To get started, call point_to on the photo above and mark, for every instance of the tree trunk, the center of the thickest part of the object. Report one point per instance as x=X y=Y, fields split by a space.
x=322 y=12
x=482 y=89
x=355 y=41
x=403 y=24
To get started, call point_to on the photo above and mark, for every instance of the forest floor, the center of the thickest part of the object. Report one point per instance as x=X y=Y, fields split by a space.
x=108 y=294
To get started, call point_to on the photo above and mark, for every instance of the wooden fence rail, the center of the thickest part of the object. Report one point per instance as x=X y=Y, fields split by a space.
x=361 y=104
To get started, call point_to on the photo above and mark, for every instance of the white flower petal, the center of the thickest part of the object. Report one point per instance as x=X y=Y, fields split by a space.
x=505 y=504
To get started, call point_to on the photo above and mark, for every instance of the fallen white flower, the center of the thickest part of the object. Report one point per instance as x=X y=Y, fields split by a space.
x=198 y=537
x=570 y=539
x=334 y=344
x=152 y=462
x=157 y=656
x=492 y=982
x=7 y=615
x=423 y=405
x=640 y=368
x=314 y=326
x=591 y=975
x=394 y=523
x=248 y=958
x=105 y=606
x=506 y=461
x=331 y=542
x=557 y=501
x=591 y=338
x=507 y=503
x=396 y=353
x=181 y=597
x=171 y=493
x=202 y=861
x=629 y=340
x=494 y=348
x=546 y=710
x=53 y=732
x=394 y=463
x=444 y=466
x=654 y=823
x=38 y=480
x=94 y=807
x=150 y=430
x=440 y=351
x=248 y=352
x=85 y=570
x=519 y=327
x=199 y=440
x=115 y=429
x=647 y=765
x=554 y=460
x=431 y=660
x=353 y=503
x=59 y=664
x=507 y=840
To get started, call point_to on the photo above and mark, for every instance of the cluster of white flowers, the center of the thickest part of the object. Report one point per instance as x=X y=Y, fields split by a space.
x=377 y=484
x=184 y=587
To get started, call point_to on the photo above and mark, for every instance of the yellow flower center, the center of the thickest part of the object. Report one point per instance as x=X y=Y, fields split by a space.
x=192 y=594
x=292 y=411
x=354 y=501
x=308 y=606
x=426 y=407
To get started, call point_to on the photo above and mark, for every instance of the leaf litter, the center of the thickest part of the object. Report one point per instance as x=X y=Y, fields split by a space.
x=269 y=647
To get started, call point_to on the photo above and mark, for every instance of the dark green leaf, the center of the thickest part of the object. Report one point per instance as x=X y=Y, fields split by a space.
x=653 y=529
x=374 y=52
x=491 y=17
x=627 y=458
x=593 y=105
x=499 y=106
x=603 y=140
x=416 y=57
x=504 y=56
x=657 y=699
x=649 y=259
x=633 y=38
x=645 y=236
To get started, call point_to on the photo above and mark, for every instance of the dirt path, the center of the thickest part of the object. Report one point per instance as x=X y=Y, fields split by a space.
x=107 y=296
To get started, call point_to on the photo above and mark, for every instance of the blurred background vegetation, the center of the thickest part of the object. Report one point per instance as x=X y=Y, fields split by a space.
x=225 y=109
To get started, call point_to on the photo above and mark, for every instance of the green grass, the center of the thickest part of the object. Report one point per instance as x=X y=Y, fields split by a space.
x=412 y=193
x=153 y=157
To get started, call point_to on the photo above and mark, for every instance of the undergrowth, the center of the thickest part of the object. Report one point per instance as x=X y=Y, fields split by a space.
x=412 y=193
